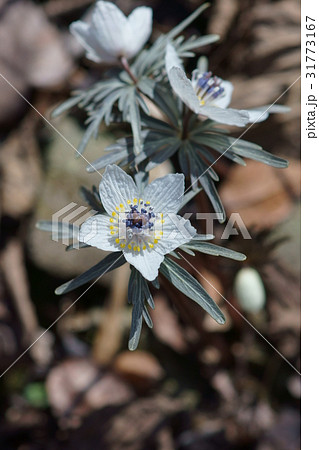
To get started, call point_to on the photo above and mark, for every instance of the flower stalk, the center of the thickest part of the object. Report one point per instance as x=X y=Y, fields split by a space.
x=127 y=68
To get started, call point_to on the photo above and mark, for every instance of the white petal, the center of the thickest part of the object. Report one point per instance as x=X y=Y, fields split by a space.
x=226 y=116
x=256 y=115
x=262 y=112
x=171 y=58
x=81 y=31
x=182 y=86
x=109 y=27
x=116 y=187
x=139 y=27
x=95 y=231
x=146 y=262
x=176 y=231
x=165 y=194
x=225 y=99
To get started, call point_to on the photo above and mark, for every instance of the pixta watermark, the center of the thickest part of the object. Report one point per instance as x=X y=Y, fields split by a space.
x=66 y=224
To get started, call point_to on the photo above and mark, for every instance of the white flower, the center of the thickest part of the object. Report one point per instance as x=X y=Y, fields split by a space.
x=145 y=225
x=210 y=95
x=111 y=35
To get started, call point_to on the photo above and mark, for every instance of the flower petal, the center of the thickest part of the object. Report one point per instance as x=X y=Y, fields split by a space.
x=109 y=27
x=139 y=24
x=81 y=31
x=226 y=116
x=116 y=187
x=171 y=58
x=176 y=231
x=146 y=262
x=165 y=194
x=95 y=231
x=182 y=86
x=262 y=112
x=225 y=99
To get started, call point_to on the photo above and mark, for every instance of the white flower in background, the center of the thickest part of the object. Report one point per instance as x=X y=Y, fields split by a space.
x=111 y=35
x=250 y=290
x=145 y=225
x=210 y=95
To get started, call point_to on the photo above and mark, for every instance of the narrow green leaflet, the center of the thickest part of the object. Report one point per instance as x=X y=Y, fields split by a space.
x=187 y=250
x=68 y=104
x=92 y=199
x=110 y=262
x=147 y=292
x=154 y=124
x=230 y=146
x=135 y=297
x=152 y=60
x=169 y=148
x=61 y=230
x=179 y=28
x=147 y=317
x=129 y=106
x=211 y=191
x=195 y=42
x=161 y=95
x=189 y=286
x=156 y=145
x=76 y=246
x=156 y=284
x=138 y=293
x=189 y=196
x=212 y=249
x=99 y=102
x=203 y=237
x=200 y=173
x=97 y=113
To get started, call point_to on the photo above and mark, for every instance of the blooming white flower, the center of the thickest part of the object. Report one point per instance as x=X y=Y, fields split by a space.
x=210 y=95
x=111 y=35
x=144 y=225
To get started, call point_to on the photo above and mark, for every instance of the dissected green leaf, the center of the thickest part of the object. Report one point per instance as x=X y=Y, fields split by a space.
x=110 y=262
x=230 y=147
x=189 y=286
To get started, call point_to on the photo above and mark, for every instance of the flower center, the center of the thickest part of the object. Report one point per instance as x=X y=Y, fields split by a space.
x=207 y=86
x=139 y=222
x=137 y=229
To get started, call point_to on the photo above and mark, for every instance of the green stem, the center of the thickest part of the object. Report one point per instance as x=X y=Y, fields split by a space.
x=127 y=68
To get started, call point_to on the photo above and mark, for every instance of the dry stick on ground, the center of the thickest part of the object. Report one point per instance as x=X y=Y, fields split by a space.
x=12 y=265
x=13 y=268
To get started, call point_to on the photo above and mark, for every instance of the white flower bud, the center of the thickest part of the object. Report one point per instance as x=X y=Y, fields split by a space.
x=249 y=290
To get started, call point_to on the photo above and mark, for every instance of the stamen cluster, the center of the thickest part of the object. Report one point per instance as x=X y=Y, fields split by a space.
x=137 y=222
x=207 y=86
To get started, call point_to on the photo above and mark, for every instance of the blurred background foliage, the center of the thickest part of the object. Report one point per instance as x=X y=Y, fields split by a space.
x=192 y=384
